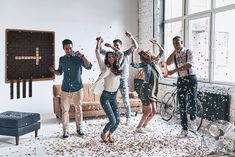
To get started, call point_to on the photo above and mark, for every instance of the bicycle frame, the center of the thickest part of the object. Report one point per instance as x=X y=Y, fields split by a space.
x=170 y=107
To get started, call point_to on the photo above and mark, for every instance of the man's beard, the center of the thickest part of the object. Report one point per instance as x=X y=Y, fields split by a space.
x=69 y=53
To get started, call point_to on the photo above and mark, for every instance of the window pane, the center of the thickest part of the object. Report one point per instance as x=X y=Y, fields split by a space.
x=199 y=44
x=171 y=30
x=221 y=3
x=173 y=8
x=224 y=55
x=198 y=5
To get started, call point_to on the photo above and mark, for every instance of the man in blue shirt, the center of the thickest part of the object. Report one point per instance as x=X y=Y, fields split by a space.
x=72 y=88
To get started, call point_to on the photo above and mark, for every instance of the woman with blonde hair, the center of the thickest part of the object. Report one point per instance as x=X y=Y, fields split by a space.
x=148 y=92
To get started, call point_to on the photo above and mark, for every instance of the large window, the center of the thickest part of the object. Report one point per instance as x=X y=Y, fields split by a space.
x=207 y=30
x=221 y=3
x=174 y=8
x=198 y=5
x=199 y=43
x=224 y=52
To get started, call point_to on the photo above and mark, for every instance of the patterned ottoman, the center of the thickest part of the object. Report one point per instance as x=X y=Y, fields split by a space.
x=18 y=123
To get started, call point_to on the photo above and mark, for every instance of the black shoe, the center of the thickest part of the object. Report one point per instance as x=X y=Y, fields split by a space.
x=80 y=133
x=65 y=135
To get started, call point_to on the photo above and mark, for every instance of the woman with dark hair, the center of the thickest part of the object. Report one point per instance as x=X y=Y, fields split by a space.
x=107 y=85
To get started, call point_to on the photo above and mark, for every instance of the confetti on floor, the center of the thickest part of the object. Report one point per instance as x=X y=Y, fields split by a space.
x=162 y=142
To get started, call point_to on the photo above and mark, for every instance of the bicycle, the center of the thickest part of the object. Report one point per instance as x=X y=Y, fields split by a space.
x=169 y=107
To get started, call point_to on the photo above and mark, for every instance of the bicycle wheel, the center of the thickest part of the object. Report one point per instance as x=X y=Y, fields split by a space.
x=167 y=106
x=199 y=115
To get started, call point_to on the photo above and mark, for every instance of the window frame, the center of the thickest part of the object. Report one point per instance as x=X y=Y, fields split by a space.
x=185 y=18
x=186 y=41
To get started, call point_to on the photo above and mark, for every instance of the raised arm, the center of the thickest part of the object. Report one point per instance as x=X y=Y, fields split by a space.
x=161 y=49
x=134 y=45
x=134 y=42
x=154 y=41
x=132 y=58
x=102 y=51
x=133 y=62
x=97 y=53
x=110 y=46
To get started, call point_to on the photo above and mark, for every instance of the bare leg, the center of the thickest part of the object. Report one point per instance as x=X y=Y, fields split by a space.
x=151 y=115
x=146 y=113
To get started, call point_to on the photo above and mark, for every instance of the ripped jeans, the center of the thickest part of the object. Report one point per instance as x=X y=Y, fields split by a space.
x=109 y=103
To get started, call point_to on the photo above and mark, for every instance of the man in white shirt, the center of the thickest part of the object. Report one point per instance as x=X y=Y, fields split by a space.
x=186 y=83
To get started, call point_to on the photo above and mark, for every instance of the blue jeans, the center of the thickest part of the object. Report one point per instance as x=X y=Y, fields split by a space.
x=187 y=94
x=125 y=96
x=109 y=103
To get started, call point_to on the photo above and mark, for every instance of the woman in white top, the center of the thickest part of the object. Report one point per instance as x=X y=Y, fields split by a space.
x=109 y=80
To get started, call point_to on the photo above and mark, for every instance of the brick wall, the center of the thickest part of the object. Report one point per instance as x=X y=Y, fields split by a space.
x=145 y=23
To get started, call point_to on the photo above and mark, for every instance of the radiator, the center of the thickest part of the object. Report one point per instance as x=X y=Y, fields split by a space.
x=215 y=105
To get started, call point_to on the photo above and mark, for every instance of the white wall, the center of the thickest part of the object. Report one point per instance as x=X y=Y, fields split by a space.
x=79 y=20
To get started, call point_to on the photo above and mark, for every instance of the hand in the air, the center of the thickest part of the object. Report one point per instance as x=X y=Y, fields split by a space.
x=153 y=40
x=107 y=45
x=100 y=39
x=128 y=34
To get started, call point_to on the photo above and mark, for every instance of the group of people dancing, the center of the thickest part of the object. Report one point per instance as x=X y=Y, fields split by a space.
x=114 y=76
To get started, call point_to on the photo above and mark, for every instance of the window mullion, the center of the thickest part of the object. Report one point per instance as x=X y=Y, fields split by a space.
x=211 y=46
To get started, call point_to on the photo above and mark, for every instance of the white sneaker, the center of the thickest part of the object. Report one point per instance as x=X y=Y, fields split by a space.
x=183 y=134
x=140 y=130
x=193 y=125
x=148 y=129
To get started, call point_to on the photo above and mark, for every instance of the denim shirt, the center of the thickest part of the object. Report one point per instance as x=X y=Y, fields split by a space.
x=71 y=66
x=147 y=68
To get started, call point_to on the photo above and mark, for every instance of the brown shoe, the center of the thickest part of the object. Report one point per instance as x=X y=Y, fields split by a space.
x=104 y=137
x=111 y=140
